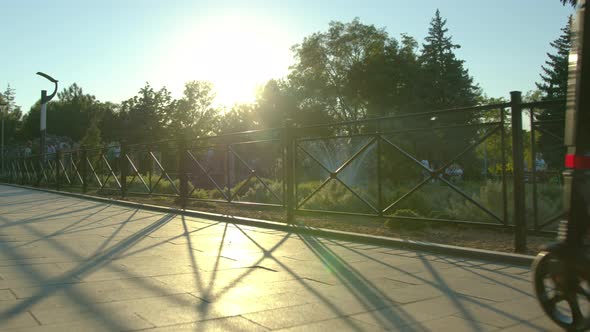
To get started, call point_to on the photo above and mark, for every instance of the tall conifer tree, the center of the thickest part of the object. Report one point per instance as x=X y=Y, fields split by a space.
x=553 y=83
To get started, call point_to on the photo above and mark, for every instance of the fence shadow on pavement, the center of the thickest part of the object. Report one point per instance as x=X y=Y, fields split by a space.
x=217 y=280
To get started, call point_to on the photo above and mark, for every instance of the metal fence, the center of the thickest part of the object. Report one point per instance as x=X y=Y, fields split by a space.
x=545 y=164
x=456 y=165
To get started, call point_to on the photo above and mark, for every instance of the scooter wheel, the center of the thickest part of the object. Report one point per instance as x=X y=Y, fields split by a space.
x=562 y=291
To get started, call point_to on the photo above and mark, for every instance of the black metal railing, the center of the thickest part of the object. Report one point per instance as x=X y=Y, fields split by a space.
x=390 y=167
x=547 y=153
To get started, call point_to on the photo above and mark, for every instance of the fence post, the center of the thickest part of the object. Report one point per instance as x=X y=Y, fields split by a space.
x=84 y=169
x=57 y=169
x=288 y=142
x=37 y=181
x=534 y=169
x=182 y=172
x=123 y=168
x=23 y=174
x=503 y=161
x=518 y=173
x=18 y=172
x=228 y=171
x=379 y=175
x=150 y=165
x=13 y=177
x=9 y=171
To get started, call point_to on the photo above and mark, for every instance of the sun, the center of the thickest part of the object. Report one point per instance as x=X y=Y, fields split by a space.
x=235 y=53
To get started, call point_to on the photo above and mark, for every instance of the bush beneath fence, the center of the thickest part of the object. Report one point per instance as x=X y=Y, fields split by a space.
x=334 y=197
x=408 y=224
x=434 y=200
x=254 y=191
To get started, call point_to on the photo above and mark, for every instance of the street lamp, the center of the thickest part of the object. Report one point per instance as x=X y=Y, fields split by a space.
x=44 y=100
x=2 y=109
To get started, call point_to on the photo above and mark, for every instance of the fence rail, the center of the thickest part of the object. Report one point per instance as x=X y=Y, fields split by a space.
x=449 y=166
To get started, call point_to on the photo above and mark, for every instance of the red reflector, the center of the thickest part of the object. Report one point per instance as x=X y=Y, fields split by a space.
x=577 y=162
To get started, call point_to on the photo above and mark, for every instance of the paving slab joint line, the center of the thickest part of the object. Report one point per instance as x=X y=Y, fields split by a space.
x=145 y=320
x=255 y=323
x=471 y=253
x=34 y=318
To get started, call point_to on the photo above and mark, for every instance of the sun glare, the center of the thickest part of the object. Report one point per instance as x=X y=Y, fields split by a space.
x=236 y=54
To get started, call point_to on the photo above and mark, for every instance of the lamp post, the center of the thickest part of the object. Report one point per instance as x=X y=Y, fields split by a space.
x=44 y=100
x=3 y=110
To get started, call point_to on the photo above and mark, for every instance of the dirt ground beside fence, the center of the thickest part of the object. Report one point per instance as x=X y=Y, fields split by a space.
x=443 y=233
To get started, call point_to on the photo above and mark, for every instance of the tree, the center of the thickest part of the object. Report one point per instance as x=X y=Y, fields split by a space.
x=111 y=122
x=92 y=141
x=276 y=102
x=240 y=117
x=72 y=113
x=9 y=99
x=30 y=127
x=352 y=71
x=553 y=83
x=194 y=113
x=143 y=115
x=573 y=3
x=11 y=113
x=69 y=115
x=445 y=81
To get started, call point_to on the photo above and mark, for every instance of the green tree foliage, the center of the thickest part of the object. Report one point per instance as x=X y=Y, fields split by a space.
x=111 y=123
x=353 y=71
x=143 y=115
x=69 y=115
x=11 y=113
x=278 y=100
x=445 y=81
x=92 y=141
x=30 y=123
x=553 y=83
x=573 y=3
x=240 y=117
x=194 y=113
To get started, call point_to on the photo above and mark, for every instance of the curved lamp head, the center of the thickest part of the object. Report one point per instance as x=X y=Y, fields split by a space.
x=47 y=77
x=45 y=99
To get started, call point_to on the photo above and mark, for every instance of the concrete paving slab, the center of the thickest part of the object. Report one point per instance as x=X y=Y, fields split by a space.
x=236 y=323
x=338 y=324
x=68 y=264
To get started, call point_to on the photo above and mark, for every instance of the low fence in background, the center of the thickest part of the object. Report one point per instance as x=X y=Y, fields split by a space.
x=457 y=165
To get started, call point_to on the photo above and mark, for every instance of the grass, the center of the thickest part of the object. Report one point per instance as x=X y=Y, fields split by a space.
x=430 y=231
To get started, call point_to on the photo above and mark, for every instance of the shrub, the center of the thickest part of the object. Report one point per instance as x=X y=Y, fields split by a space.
x=257 y=192
x=333 y=197
x=404 y=223
x=489 y=196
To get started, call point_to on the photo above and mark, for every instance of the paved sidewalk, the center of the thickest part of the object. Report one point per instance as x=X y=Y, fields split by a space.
x=68 y=264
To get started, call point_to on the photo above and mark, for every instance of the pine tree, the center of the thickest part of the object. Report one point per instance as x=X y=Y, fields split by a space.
x=9 y=98
x=11 y=113
x=446 y=83
x=553 y=83
x=571 y=2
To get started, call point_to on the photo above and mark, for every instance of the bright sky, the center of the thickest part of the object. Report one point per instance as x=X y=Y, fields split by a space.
x=112 y=47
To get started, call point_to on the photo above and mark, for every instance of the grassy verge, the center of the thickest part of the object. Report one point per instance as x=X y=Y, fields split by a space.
x=429 y=231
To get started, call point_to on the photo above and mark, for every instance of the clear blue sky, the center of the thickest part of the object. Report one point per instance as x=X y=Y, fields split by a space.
x=112 y=47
